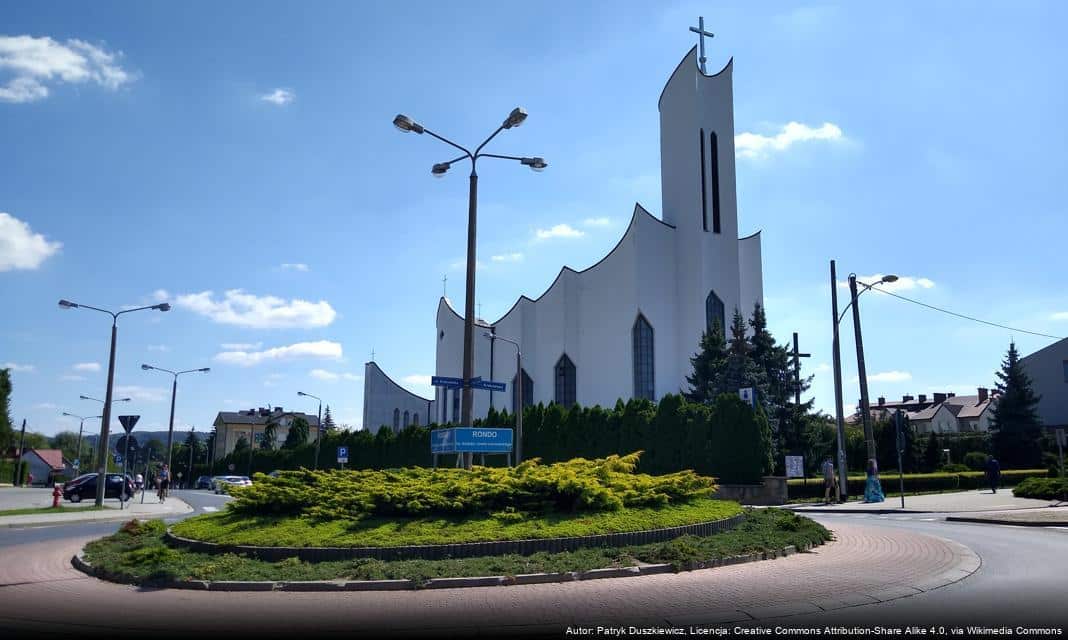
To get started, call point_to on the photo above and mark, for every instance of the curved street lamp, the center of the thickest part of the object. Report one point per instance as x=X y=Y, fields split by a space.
x=318 y=426
x=518 y=409
x=514 y=119
x=105 y=422
x=174 y=392
x=81 y=424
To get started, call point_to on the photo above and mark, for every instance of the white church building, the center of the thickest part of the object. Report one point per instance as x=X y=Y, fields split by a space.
x=627 y=326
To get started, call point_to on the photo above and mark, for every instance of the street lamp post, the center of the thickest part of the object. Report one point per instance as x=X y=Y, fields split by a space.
x=174 y=393
x=518 y=394
x=514 y=119
x=861 y=370
x=81 y=425
x=318 y=426
x=102 y=454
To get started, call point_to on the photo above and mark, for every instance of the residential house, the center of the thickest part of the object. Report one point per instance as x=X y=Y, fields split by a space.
x=231 y=426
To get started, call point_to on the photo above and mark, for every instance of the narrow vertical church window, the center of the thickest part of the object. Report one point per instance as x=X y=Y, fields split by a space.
x=415 y=419
x=444 y=406
x=704 y=181
x=715 y=312
x=456 y=405
x=642 y=336
x=565 y=381
x=396 y=419
x=407 y=417
x=715 y=184
x=528 y=391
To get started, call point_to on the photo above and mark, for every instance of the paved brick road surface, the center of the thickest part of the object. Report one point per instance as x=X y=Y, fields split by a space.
x=39 y=591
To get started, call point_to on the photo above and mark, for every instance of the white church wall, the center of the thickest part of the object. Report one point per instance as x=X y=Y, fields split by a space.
x=751 y=273
x=382 y=396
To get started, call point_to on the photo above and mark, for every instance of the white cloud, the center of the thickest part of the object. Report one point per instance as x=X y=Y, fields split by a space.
x=34 y=62
x=417 y=380
x=279 y=97
x=887 y=376
x=14 y=366
x=324 y=349
x=158 y=347
x=755 y=145
x=86 y=366
x=142 y=394
x=294 y=266
x=71 y=378
x=272 y=380
x=558 y=231
x=241 y=346
x=597 y=222
x=45 y=405
x=330 y=376
x=822 y=367
x=903 y=283
x=1060 y=315
x=20 y=247
x=508 y=257
x=256 y=312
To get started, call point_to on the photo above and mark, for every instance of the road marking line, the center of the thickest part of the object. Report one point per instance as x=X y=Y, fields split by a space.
x=929 y=519
x=211 y=508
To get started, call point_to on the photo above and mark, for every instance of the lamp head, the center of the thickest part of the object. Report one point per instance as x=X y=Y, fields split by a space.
x=67 y=304
x=85 y=397
x=535 y=163
x=163 y=306
x=487 y=334
x=889 y=278
x=301 y=393
x=204 y=370
x=406 y=124
x=438 y=170
x=122 y=400
x=515 y=118
x=69 y=414
x=146 y=367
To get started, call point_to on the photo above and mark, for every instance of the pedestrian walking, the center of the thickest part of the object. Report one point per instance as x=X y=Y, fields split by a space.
x=164 y=482
x=873 y=491
x=29 y=479
x=830 y=482
x=993 y=473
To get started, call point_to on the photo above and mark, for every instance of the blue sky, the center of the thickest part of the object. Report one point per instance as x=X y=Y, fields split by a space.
x=238 y=160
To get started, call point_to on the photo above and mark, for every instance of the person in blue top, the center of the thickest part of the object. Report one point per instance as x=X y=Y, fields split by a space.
x=993 y=473
x=873 y=491
x=164 y=480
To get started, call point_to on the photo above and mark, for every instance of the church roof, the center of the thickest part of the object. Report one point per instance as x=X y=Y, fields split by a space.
x=691 y=55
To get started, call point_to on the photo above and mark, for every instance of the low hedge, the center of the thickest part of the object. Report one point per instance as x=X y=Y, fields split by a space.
x=916 y=482
x=1042 y=489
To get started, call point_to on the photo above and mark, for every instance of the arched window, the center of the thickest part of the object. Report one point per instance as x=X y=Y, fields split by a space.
x=715 y=312
x=415 y=419
x=704 y=181
x=407 y=417
x=396 y=419
x=715 y=184
x=528 y=391
x=564 y=374
x=644 y=376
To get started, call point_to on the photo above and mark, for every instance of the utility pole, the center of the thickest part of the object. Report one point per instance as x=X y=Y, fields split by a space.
x=839 y=417
x=192 y=445
x=865 y=412
x=18 y=465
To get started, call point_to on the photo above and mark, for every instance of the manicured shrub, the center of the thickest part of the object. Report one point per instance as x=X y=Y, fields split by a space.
x=954 y=468
x=605 y=484
x=916 y=482
x=1042 y=489
x=975 y=460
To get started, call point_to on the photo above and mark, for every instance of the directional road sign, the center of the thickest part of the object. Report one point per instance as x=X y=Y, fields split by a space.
x=795 y=466
x=447 y=382
x=342 y=455
x=468 y=440
x=488 y=385
x=128 y=422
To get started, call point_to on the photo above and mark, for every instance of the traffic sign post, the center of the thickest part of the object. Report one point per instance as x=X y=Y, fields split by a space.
x=127 y=423
x=899 y=425
x=488 y=385
x=795 y=466
x=1060 y=448
x=342 y=456
x=462 y=440
x=447 y=382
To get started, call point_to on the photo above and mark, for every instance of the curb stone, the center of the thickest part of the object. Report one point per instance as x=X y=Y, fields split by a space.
x=1018 y=523
x=81 y=564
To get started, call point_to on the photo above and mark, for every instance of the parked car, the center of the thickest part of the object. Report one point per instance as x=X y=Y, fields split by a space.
x=84 y=486
x=221 y=484
x=203 y=482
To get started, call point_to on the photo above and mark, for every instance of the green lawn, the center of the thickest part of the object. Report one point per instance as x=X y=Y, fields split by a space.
x=137 y=554
x=41 y=510
x=297 y=531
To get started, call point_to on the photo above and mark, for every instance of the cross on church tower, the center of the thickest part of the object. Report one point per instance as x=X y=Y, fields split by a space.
x=444 y=283
x=372 y=354
x=701 y=33
x=797 y=370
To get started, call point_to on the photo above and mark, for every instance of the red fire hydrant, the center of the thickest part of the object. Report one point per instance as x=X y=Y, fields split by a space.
x=56 y=495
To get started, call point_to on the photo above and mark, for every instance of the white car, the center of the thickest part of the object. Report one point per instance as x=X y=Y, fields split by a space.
x=219 y=484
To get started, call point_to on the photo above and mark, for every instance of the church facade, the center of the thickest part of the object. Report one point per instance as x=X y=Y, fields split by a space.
x=627 y=326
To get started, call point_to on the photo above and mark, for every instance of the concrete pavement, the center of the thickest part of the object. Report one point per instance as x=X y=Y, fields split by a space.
x=24 y=498
x=956 y=502
x=1052 y=517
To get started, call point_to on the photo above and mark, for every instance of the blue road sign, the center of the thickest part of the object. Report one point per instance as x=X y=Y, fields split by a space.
x=468 y=440
x=447 y=382
x=118 y=459
x=342 y=454
x=488 y=385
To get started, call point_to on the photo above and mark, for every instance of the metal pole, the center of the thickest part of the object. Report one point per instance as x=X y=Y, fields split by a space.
x=797 y=373
x=105 y=423
x=843 y=479
x=467 y=397
x=192 y=431
x=1060 y=450
x=318 y=434
x=125 y=461
x=865 y=414
x=519 y=409
x=170 y=428
x=251 y=446
x=81 y=425
x=17 y=481
x=898 y=419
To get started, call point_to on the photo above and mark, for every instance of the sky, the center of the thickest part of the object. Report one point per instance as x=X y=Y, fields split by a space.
x=238 y=161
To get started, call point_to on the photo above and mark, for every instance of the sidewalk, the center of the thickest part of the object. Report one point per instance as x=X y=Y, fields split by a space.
x=1052 y=517
x=134 y=509
x=957 y=502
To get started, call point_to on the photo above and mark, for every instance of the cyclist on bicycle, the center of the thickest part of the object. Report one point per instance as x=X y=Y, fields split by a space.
x=164 y=482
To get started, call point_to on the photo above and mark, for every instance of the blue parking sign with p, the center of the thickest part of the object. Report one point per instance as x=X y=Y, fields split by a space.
x=342 y=455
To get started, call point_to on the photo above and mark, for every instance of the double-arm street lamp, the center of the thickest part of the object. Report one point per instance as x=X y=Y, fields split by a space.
x=81 y=425
x=869 y=437
x=174 y=392
x=518 y=408
x=514 y=119
x=318 y=426
x=102 y=454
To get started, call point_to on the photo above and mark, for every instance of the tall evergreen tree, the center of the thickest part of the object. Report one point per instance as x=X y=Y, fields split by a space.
x=328 y=420
x=298 y=433
x=932 y=454
x=1017 y=428
x=709 y=365
x=741 y=370
x=270 y=432
x=7 y=432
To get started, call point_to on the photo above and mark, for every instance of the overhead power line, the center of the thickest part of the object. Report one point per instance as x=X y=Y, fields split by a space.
x=966 y=317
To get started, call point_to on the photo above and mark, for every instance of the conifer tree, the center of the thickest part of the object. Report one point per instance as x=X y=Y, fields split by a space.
x=709 y=366
x=328 y=420
x=7 y=431
x=741 y=370
x=932 y=455
x=1017 y=428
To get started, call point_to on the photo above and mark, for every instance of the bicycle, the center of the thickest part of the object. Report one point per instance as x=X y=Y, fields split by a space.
x=162 y=492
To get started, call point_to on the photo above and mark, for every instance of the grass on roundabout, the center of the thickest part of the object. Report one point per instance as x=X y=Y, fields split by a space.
x=137 y=554
x=43 y=510
x=228 y=527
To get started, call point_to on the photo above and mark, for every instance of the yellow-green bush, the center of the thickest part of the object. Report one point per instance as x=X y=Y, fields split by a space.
x=604 y=484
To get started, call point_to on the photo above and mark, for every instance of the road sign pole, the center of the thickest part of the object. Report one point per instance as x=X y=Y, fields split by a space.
x=898 y=419
x=1060 y=448
x=125 y=461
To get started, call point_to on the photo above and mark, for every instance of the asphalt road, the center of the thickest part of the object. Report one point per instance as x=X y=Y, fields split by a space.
x=1020 y=581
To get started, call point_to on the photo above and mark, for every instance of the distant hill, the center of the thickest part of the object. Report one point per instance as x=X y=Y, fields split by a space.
x=143 y=437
